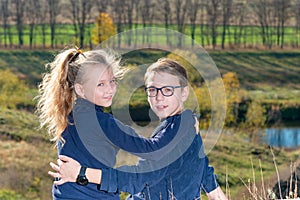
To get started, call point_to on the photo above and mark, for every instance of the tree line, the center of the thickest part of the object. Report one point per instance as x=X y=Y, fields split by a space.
x=215 y=23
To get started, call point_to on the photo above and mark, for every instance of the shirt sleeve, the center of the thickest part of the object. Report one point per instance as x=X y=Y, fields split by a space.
x=118 y=180
x=209 y=182
x=153 y=148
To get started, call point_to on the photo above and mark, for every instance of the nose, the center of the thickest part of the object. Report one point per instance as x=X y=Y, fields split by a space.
x=159 y=96
x=110 y=88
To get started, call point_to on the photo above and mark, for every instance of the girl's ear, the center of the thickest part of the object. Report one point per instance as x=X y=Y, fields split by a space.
x=185 y=93
x=79 y=90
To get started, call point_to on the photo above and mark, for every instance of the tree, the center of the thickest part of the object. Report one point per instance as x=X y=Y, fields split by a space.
x=19 y=13
x=181 y=8
x=32 y=14
x=129 y=7
x=239 y=16
x=263 y=11
x=226 y=12
x=147 y=12
x=42 y=20
x=53 y=12
x=81 y=10
x=233 y=98
x=281 y=14
x=297 y=16
x=117 y=9
x=202 y=6
x=256 y=115
x=6 y=27
x=165 y=9
x=104 y=28
x=193 y=11
x=212 y=9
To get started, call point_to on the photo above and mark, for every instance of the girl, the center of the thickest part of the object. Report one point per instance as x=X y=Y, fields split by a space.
x=71 y=100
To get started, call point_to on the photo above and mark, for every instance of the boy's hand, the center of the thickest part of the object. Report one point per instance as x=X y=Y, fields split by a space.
x=196 y=124
x=67 y=170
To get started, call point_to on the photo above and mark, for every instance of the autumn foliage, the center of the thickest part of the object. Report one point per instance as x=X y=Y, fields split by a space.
x=104 y=28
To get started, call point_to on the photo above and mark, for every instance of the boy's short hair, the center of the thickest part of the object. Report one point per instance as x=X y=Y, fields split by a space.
x=168 y=66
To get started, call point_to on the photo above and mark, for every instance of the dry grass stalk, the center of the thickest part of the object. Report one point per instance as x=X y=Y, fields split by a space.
x=227 y=185
x=277 y=172
x=262 y=180
x=296 y=184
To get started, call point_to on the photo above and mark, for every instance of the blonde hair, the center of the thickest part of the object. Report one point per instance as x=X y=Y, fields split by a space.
x=168 y=66
x=56 y=91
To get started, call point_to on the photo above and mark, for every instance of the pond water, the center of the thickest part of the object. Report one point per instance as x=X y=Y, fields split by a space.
x=282 y=137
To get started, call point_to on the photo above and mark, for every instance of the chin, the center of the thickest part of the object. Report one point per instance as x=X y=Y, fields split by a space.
x=161 y=115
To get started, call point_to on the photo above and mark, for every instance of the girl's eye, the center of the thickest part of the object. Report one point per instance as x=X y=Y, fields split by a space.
x=100 y=84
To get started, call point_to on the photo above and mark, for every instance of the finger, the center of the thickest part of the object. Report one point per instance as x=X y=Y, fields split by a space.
x=54 y=175
x=64 y=158
x=60 y=182
x=59 y=162
x=54 y=166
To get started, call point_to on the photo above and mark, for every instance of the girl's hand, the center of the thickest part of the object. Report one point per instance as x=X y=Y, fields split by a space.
x=67 y=170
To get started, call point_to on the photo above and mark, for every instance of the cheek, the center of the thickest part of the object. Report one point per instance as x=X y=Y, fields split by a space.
x=150 y=101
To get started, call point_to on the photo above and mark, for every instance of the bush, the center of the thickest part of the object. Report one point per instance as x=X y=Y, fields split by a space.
x=13 y=91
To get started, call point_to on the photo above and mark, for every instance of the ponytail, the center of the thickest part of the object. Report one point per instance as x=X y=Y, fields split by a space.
x=56 y=93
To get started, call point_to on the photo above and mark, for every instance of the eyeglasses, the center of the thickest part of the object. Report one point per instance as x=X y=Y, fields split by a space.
x=166 y=91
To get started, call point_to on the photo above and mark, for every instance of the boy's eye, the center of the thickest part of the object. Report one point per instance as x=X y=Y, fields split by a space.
x=151 y=89
x=168 y=89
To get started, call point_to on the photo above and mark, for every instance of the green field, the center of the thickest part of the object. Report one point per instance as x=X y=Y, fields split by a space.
x=237 y=37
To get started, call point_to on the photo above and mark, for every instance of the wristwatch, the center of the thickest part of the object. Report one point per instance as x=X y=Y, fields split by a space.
x=81 y=178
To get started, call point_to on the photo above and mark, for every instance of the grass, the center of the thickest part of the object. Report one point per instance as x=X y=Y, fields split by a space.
x=25 y=153
x=261 y=70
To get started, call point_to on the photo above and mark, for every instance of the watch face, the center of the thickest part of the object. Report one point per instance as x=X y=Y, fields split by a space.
x=82 y=181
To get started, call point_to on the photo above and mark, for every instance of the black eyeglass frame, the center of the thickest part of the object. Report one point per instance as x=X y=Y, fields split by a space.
x=161 y=90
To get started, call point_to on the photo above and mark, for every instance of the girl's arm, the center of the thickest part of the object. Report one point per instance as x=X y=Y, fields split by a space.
x=67 y=170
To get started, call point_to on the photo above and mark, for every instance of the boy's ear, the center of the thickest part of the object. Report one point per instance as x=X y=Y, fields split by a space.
x=185 y=93
x=79 y=90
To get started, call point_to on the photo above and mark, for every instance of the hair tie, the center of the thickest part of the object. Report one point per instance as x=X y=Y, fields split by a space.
x=78 y=52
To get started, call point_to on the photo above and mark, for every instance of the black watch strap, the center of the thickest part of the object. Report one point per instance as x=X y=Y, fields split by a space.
x=81 y=178
x=82 y=171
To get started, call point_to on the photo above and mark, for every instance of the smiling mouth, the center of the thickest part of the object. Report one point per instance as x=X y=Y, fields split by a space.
x=108 y=98
x=161 y=107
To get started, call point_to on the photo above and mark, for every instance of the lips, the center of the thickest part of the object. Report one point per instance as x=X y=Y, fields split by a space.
x=108 y=98
x=161 y=107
